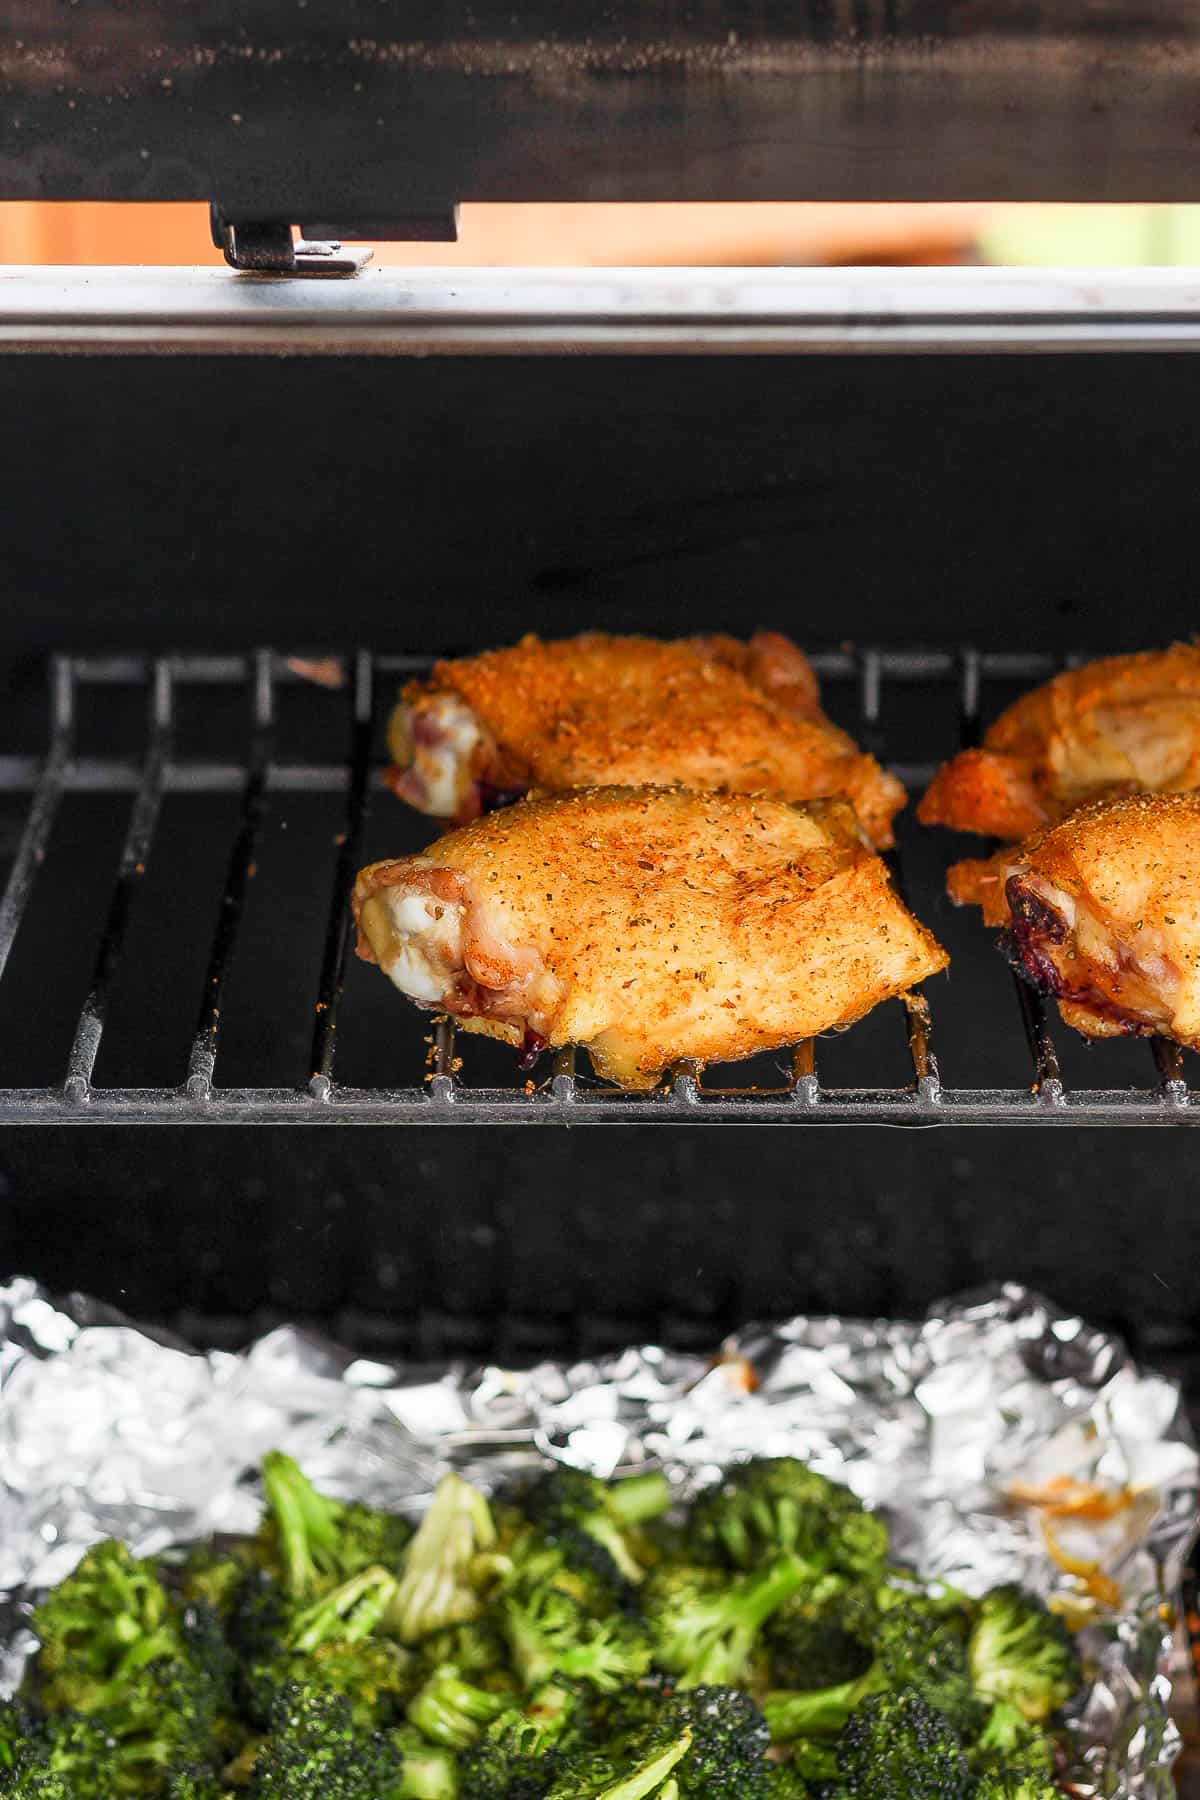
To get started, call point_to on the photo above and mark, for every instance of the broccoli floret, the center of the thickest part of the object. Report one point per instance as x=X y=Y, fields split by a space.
x=629 y=1770
x=896 y=1747
x=109 y=1618
x=450 y=1711
x=812 y=1649
x=476 y=1649
x=510 y=1762
x=437 y=1588
x=705 y=1627
x=347 y=1614
x=1009 y=1737
x=211 y=1574
x=777 y=1505
x=518 y=1756
x=572 y=1561
x=918 y=1650
x=1015 y=1783
x=310 y=1540
x=565 y=1500
x=549 y=1634
x=1023 y=1653
x=726 y=1759
x=328 y=1646
x=314 y=1749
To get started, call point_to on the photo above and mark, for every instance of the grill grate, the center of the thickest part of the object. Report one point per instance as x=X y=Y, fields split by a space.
x=447 y=1093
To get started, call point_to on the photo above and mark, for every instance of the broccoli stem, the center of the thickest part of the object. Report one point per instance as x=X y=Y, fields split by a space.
x=347 y=1615
x=637 y=1498
x=427 y=1774
x=450 y=1712
x=819 y=1713
x=648 y=1779
x=305 y=1520
x=435 y=1588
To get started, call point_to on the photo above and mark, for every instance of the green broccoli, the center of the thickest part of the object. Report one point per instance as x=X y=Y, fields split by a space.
x=916 y=1652
x=705 y=1627
x=1023 y=1653
x=439 y=1583
x=563 y=1500
x=623 y=1771
x=109 y=1618
x=309 y=1540
x=785 y=1782
x=572 y=1561
x=812 y=1649
x=726 y=1759
x=450 y=1711
x=548 y=1634
x=211 y=1574
x=897 y=1747
x=326 y=1646
x=917 y=1649
x=313 y=1749
x=425 y=1771
x=777 y=1505
x=346 y=1614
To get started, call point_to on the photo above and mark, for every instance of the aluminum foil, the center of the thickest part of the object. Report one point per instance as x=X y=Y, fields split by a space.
x=1003 y=1440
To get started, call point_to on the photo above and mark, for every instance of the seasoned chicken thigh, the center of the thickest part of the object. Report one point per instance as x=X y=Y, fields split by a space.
x=1103 y=912
x=706 y=713
x=1126 y=723
x=647 y=924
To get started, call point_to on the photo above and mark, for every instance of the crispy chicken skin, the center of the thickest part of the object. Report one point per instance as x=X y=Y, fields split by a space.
x=1126 y=723
x=706 y=713
x=1103 y=912
x=648 y=924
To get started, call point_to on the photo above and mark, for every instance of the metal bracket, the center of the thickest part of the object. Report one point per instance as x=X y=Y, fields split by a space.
x=268 y=248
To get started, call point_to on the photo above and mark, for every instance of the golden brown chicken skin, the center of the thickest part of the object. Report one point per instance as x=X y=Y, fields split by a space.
x=1124 y=724
x=707 y=713
x=648 y=924
x=1103 y=912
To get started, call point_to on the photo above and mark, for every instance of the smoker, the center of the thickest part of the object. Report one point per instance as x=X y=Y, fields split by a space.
x=241 y=505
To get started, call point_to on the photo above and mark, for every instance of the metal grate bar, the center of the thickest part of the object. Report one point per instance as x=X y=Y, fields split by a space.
x=131 y=870
x=46 y=796
x=337 y=937
x=956 y=678
x=441 y=1086
x=202 y=1062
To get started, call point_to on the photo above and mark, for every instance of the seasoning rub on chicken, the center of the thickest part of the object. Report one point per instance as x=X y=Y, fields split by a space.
x=1103 y=912
x=648 y=924
x=1126 y=723
x=705 y=713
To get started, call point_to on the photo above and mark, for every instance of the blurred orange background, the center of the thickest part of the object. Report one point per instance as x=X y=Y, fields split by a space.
x=760 y=235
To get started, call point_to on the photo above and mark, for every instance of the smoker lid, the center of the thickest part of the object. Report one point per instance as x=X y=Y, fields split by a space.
x=370 y=113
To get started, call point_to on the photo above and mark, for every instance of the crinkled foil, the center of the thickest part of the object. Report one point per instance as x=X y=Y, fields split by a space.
x=975 y=1432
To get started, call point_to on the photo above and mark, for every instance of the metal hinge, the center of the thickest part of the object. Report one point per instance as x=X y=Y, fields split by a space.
x=268 y=247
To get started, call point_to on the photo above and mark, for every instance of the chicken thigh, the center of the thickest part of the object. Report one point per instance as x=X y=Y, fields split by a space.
x=1124 y=724
x=647 y=924
x=706 y=713
x=1103 y=911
